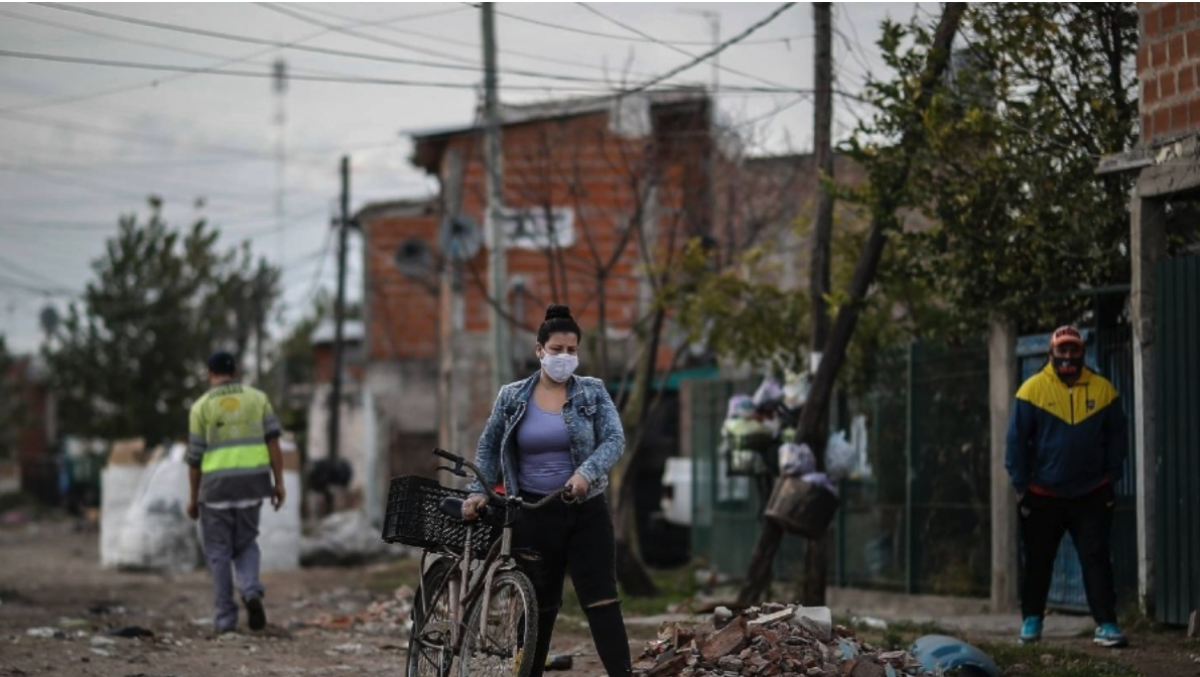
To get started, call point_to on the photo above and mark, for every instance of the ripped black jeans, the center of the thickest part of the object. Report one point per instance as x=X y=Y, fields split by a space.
x=574 y=538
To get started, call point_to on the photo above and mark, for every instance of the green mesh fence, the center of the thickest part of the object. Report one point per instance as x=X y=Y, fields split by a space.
x=930 y=535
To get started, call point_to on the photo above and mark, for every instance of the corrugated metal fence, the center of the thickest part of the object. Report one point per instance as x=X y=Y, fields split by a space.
x=1177 y=374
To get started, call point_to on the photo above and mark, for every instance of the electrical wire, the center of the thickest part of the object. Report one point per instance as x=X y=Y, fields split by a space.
x=173 y=78
x=469 y=64
x=401 y=83
x=465 y=64
x=712 y=52
x=650 y=38
x=582 y=31
x=343 y=79
x=503 y=51
x=43 y=121
x=316 y=280
x=22 y=270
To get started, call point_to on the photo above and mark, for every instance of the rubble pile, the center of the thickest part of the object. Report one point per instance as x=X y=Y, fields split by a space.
x=766 y=641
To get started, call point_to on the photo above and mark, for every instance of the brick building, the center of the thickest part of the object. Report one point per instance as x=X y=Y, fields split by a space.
x=600 y=196
x=595 y=191
x=1168 y=60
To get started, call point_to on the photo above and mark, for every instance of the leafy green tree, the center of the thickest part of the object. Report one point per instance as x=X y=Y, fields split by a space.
x=1007 y=173
x=129 y=357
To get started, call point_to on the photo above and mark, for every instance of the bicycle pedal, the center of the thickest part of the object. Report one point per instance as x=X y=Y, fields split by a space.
x=559 y=662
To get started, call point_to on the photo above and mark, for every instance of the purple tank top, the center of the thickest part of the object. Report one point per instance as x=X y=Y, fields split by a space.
x=544 y=450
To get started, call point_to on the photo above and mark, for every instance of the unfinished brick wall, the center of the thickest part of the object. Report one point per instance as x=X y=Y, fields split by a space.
x=1168 y=66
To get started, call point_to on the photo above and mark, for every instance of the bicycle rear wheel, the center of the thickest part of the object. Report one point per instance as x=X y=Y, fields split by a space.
x=430 y=652
x=506 y=646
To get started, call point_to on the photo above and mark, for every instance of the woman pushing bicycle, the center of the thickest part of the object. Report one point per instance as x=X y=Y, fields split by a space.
x=550 y=430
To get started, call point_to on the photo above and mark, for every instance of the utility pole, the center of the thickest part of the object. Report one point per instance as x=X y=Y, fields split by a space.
x=714 y=26
x=450 y=304
x=339 y=311
x=816 y=555
x=492 y=158
x=279 y=86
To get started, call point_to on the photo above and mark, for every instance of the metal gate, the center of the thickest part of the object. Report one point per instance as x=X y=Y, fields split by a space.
x=1177 y=431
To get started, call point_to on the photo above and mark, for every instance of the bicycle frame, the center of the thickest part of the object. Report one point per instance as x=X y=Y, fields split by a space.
x=470 y=585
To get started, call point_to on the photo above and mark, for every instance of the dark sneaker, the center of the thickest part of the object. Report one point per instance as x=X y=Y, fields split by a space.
x=258 y=615
x=1031 y=629
x=1110 y=635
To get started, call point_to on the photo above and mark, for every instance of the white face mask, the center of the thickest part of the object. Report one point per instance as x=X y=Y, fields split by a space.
x=559 y=367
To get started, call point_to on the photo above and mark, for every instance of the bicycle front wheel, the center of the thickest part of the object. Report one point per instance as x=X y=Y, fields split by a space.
x=505 y=646
x=430 y=648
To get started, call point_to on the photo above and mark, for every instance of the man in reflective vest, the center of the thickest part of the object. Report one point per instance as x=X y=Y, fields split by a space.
x=233 y=454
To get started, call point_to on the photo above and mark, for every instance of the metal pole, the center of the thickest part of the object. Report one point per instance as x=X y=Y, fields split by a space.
x=501 y=354
x=910 y=532
x=335 y=404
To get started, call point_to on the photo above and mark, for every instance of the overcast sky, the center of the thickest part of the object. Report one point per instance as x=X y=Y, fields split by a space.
x=83 y=143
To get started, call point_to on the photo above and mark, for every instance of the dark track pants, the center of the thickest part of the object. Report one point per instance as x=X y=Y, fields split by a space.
x=576 y=539
x=1043 y=521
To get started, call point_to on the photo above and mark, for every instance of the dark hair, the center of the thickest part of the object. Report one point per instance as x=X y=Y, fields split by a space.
x=558 y=321
x=222 y=363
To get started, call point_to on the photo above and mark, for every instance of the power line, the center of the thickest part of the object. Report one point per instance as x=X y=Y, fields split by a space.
x=465 y=43
x=466 y=65
x=712 y=52
x=157 y=181
x=316 y=281
x=155 y=83
x=346 y=79
x=469 y=64
x=41 y=120
x=650 y=38
x=12 y=265
x=627 y=38
x=394 y=82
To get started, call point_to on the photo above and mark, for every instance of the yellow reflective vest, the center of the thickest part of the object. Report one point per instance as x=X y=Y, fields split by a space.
x=228 y=432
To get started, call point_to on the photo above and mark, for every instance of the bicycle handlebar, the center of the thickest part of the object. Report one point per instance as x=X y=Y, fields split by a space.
x=460 y=462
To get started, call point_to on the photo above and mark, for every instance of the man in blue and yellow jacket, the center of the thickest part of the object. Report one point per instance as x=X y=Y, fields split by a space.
x=1066 y=449
x=235 y=462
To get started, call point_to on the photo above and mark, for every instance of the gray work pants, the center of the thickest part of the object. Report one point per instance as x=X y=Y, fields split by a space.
x=230 y=538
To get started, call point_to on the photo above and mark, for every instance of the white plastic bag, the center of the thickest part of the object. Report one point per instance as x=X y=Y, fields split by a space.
x=840 y=457
x=769 y=393
x=118 y=491
x=796 y=459
x=157 y=534
x=279 y=531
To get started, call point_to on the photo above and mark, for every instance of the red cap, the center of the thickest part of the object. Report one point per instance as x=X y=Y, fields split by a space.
x=1066 y=334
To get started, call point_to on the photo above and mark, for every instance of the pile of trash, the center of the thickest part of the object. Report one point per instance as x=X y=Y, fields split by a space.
x=381 y=617
x=774 y=639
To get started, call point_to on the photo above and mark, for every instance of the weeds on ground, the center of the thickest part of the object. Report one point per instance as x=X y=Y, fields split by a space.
x=1044 y=660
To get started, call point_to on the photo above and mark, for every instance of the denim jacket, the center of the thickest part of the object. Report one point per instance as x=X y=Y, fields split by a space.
x=593 y=428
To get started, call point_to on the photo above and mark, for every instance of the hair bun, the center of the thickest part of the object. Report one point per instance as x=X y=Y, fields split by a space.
x=556 y=311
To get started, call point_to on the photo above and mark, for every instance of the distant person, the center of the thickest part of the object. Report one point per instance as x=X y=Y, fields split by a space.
x=547 y=431
x=1066 y=451
x=233 y=452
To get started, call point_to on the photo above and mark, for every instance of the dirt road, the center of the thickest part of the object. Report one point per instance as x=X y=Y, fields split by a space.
x=51 y=585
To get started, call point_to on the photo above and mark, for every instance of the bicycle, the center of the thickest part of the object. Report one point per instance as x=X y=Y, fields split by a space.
x=475 y=610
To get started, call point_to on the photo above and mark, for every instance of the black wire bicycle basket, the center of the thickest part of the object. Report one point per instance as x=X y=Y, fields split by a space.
x=413 y=518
